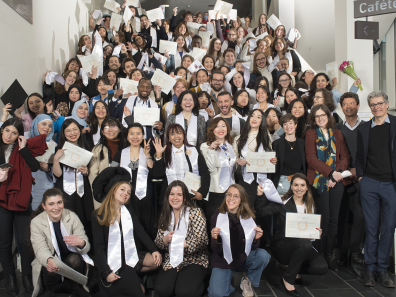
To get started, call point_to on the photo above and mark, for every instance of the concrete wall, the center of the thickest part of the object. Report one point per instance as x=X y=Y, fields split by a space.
x=48 y=44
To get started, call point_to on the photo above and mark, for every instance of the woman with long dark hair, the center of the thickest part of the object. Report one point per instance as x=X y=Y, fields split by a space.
x=15 y=198
x=35 y=106
x=182 y=234
x=280 y=50
x=215 y=50
x=241 y=104
x=290 y=95
x=298 y=108
x=235 y=81
x=100 y=113
x=297 y=253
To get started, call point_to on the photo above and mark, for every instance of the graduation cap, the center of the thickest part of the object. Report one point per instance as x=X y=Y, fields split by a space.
x=15 y=95
x=107 y=179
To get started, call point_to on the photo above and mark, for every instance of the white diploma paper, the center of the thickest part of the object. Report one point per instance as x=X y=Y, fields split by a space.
x=155 y=14
x=346 y=174
x=192 y=182
x=48 y=156
x=212 y=15
x=111 y=5
x=205 y=38
x=75 y=156
x=233 y=14
x=210 y=28
x=260 y=162
x=116 y=20
x=165 y=81
x=69 y=272
x=274 y=22
x=261 y=36
x=194 y=27
x=223 y=7
x=195 y=66
x=198 y=53
x=146 y=116
x=97 y=14
x=127 y=15
x=248 y=36
x=302 y=225
x=132 y=2
x=170 y=46
x=332 y=70
x=129 y=86
x=89 y=61
x=162 y=59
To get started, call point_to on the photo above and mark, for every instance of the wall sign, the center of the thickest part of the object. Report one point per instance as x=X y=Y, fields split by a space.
x=23 y=7
x=365 y=8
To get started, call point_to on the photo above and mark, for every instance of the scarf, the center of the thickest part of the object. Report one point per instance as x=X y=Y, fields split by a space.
x=34 y=128
x=327 y=153
x=74 y=115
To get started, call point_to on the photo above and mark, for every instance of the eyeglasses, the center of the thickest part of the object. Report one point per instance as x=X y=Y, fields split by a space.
x=317 y=117
x=217 y=80
x=110 y=127
x=379 y=104
x=261 y=60
x=318 y=97
x=229 y=196
x=231 y=34
x=284 y=80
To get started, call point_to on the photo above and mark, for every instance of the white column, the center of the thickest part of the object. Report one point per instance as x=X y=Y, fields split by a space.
x=258 y=7
x=286 y=13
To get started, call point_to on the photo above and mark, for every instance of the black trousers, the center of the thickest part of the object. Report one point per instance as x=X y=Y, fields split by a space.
x=300 y=257
x=351 y=239
x=22 y=222
x=52 y=279
x=188 y=282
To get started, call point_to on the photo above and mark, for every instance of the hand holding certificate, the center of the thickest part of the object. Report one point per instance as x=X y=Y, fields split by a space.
x=129 y=86
x=146 y=116
x=165 y=81
x=192 y=182
x=69 y=272
x=115 y=21
x=89 y=61
x=169 y=46
x=260 y=162
x=74 y=156
x=302 y=225
x=155 y=14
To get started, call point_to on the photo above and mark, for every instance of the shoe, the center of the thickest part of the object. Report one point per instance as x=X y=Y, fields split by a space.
x=11 y=285
x=384 y=279
x=28 y=283
x=293 y=293
x=246 y=288
x=330 y=262
x=343 y=261
x=369 y=278
x=299 y=281
x=357 y=264
x=78 y=291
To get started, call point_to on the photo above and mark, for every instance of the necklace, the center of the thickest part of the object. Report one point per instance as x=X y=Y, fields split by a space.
x=291 y=147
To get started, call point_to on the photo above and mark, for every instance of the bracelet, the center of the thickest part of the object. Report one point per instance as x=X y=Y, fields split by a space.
x=149 y=158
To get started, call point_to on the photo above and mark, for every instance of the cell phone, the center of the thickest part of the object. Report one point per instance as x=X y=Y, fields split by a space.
x=6 y=166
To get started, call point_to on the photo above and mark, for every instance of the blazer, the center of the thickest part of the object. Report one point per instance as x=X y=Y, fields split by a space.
x=279 y=147
x=363 y=142
x=342 y=156
x=42 y=243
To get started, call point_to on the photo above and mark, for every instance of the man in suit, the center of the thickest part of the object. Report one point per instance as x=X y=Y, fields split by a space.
x=376 y=173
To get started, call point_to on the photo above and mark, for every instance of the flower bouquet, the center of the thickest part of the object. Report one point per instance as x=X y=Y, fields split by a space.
x=348 y=68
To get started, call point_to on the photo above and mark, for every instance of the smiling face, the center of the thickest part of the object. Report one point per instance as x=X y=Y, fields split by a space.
x=290 y=127
x=54 y=208
x=243 y=99
x=187 y=62
x=279 y=46
x=102 y=32
x=350 y=107
x=239 y=66
x=74 y=66
x=263 y=19
x=298 y=109
x=135 y=136
x=321 y=119
x=102 y=87
x=74 y=95
x=45 y=127
x=299 y=187
x=111 y=131
x=256 y=119
x=196 y=42
x=229 y=58
x=122 y=194
x=114 y=63
x=220 y=132
x=217 y=82
x=187 y=103
x=280 y=31
x=247 y=22
x=144 y=89
x=87 y=40
x=208 y=64
x=71 y=78
x=238 y=80
x=82 y=111
x=233 y=200
x=136 y=75
x=72 y=133
x=272 y=119
x=176 y=137
x=290 y=96
x=139 y=40
x=176 y=198
x=284 y=81
x=217 y=45
x=179 y=88
x=224 y=103
x=182 y=73
x=318 y=98
x=241 y=32
x=202 y=77
x=261 y=95
x=381 y=108
x=100 y=110
x=180 y=42
x=203 y=102
x=36 y=105
x=261 y=61
x=321 y=82
x=9 y=134
x=129 y=66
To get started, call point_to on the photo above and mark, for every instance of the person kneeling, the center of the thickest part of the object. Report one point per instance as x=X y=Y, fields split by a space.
x=57 y=232
x=236 y=247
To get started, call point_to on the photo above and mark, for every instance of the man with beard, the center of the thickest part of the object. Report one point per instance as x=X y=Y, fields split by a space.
x=216 y=83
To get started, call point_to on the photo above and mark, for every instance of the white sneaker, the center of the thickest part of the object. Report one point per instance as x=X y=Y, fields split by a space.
x=246 y=287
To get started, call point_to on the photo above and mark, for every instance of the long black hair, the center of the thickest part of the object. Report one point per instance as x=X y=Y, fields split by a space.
x=234 y=89
x=258 y=81
x=286 y=105
x=136 y=125
x=179 y=108
x=32 y=114
x=168 y=150
x=242 y=110
x=81 y=140
x=262 y=136
x=93 y=119
x=17 y=123
x=303 y=120
x=103 y=139
x=312 y=87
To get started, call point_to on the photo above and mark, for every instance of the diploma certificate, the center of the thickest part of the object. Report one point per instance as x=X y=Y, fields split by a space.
x=194 y=27
x=111 y=5
x=116 y=20
x=146 y=116
x=69 y=272
x=165 y=81
x=155 y=14
x=89 y=61
x=274 y=22
x=129 y=86
x=302 y=225
x=75 y=156
x=205 y=38
x=48 y=157
x=170 y=46
x=260 y=162
x=332 y=70
x=192 y=182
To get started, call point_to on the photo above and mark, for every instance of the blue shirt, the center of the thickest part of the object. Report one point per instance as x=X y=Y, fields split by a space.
x=386 y=121
x=98 y=98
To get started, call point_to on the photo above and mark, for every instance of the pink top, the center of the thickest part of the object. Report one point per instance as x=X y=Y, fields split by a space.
x=27 y=122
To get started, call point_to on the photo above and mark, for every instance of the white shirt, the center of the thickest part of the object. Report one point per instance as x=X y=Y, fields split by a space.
x=179 y=159
x=300 y=208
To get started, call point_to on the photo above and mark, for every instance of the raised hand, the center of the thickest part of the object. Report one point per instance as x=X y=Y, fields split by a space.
x=158 y=147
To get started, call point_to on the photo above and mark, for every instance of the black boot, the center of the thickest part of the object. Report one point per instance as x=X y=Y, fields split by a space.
x=76 y=289
x=343 y=261
x=28 y=283
x=11 y=285
x=329 y=252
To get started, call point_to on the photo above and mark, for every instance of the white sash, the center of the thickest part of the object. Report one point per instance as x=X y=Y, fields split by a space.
x=204 y=113
x=96 y=136
x=176 y=247
x=73 y=181
x=192 y=134
x=153 y=34
x=114 y=245
x=226 y=167
x=142 y=173
x=192 y=155
x=224 y=46
x=248 y=226
x=257 y=106
x=169 y=109
x=64 y=232
x=236 y=124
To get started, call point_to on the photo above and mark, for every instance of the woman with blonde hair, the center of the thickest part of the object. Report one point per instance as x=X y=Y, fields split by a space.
x=235 y=241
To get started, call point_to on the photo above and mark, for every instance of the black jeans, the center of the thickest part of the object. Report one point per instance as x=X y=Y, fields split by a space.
x=22 y=222
x=188 y=282
x=353 y=239
x=300 y=257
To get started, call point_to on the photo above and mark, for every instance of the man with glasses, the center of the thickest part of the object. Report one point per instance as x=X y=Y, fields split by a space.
x=376 y=173
x=351 y=240
x=216 y=83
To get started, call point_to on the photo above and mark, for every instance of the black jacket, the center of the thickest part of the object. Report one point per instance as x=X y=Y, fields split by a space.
x=363 y=143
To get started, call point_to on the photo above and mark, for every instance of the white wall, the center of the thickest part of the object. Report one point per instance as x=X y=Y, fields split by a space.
x=48 y=44
x=286 y=13
x=390 y=66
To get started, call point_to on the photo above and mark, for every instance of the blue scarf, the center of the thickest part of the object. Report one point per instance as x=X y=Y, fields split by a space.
x=74 y=116
x=34 y=128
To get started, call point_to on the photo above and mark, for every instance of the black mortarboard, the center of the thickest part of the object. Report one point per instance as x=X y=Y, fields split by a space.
x=15 y=95
x=106 y=180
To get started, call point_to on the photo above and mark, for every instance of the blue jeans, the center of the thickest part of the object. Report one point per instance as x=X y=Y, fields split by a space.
x=220 y=281
x=283 y=185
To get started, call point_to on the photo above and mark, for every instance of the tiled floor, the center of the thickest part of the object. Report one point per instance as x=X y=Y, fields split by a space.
x=341 y=284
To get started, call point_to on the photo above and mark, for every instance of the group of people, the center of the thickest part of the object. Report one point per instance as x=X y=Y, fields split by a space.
x=133 y=208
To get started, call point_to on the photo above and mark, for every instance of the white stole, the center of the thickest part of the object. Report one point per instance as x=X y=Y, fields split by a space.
x=192 y=134
x=96 y=136
x=114 y=245
x=73 y=181
x=236 y=124
x=142 y=174
x=64 y=232
x=226 y=167
x=204 y=113
x=169 y=108
x=248 y=226
x=176 y=247
x=153 y=34
x=172 y=169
